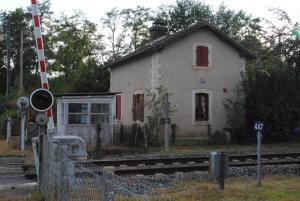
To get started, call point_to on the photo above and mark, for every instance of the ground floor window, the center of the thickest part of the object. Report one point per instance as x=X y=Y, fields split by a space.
x=88 y=113
x=201 y=106
x=99 y=113
x=78 y=113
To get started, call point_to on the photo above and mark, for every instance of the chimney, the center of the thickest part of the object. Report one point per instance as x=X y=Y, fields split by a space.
x=158 y=30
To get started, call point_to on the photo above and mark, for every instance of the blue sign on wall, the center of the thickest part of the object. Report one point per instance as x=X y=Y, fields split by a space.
x=202 y=81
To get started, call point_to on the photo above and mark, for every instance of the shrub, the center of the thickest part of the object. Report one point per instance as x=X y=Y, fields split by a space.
x=122 y=134
x=137 y=135
x=217 y=138
x=173 y=133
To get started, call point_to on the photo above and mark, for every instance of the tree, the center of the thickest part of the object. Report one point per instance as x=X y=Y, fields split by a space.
x=136 y=21
x=113 y=23
x=154 y=102
x=236 y=116
x=238 y=25
x=183 y=14
x=272 y=96
x=22 y=20
x=75 y=39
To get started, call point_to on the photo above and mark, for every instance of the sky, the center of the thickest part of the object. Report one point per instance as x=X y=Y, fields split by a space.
x=95 y=9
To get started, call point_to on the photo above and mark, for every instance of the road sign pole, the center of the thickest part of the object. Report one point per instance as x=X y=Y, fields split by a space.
x=166 y=130
x=258 y=126
x=259 y=172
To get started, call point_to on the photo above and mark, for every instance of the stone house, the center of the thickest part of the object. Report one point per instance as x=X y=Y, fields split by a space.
x=200 y=66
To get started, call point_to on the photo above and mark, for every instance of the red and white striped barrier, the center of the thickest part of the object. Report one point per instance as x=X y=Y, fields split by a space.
x=41 y=55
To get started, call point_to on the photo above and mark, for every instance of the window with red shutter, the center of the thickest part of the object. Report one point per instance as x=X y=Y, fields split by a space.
x=118 y=107
x=202 y=56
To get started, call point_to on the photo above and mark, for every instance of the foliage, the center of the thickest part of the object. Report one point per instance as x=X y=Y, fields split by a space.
x=7 y=108
x=136 y=22
x=217 y=138
x=75 y=42
x=183 y=14
x=173 y=133
x=113 y=23
x=154 y=103
x=127 y=30
x=137 y=135
x=238 y=25
x=236 y=122
x=122 y=134
x=270 y=89
x=272 y=96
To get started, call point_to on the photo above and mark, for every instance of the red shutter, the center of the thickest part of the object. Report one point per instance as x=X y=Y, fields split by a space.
x=133 y=107
x=118 y=107
x=142 y=107
x=202 y=56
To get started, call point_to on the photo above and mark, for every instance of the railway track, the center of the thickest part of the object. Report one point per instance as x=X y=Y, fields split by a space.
x=183 y=164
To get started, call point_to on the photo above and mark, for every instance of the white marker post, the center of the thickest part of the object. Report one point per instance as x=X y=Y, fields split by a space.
x=258 y=126
x=23 y=105
x=8 y=130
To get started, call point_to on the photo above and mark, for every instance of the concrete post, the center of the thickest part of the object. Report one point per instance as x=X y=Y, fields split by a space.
x=259 y=173
x=166 y=133
x=23 y=121
x=8 y=130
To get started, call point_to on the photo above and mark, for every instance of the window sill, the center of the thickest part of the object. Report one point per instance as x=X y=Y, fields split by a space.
x=200 y=123
x=202 y=67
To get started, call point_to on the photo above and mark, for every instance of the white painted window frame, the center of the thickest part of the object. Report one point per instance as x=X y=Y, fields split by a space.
x=89 y=102
x=210 y=62
x=210 y=101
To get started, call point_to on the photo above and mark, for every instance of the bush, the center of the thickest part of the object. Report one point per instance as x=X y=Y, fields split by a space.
x=236 y=114
x=272 y=96
x=122 y=134
x=217 y=138
x=137 y=135
x=173 y=133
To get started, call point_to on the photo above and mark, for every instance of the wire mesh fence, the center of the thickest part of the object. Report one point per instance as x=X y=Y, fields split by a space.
x=67 y=178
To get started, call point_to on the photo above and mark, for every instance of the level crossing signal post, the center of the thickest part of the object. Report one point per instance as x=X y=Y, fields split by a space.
x=41 y=100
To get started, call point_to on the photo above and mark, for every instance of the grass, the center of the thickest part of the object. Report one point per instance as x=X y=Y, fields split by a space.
x=274 y=188
x=8 y=149
x=12 y=195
